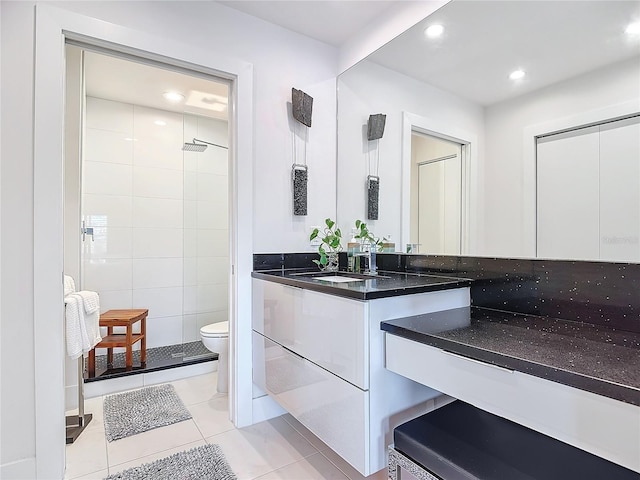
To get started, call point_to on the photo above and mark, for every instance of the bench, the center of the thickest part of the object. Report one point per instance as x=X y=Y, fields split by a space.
x=121 y=318
x=462 y=442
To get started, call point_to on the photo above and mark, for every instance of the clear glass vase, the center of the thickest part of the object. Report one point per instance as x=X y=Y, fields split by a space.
x=332 y=262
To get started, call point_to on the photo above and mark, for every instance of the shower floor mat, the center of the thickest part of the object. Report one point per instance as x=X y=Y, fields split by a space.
x=138 y=411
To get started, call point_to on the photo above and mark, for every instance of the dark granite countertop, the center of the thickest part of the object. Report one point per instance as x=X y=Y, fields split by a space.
x=385 y=284
x=589 y=357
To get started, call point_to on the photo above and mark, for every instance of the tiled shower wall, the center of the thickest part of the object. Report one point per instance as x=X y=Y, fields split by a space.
x=160 y=217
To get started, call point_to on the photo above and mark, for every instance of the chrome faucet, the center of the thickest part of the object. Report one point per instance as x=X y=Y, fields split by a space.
x=369 y=251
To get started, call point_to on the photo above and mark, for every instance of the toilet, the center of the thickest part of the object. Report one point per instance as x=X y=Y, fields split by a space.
x=215 y=337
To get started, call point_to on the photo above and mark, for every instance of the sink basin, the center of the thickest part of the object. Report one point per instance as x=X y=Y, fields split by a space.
x=338 y=276
x=339 y=279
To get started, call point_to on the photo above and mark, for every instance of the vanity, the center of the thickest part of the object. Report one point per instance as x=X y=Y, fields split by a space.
x=319 y=352
x=551 y=345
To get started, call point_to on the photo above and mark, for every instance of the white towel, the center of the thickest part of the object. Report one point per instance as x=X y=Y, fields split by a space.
x=91 y=301
x=82 y=329
x=69 y=285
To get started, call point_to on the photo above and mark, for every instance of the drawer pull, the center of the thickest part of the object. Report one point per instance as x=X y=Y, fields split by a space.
x=479 y=362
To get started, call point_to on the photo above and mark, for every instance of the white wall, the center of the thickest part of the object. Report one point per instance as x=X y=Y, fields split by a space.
x=281 y=60
x=368 y=89
x=507 y=200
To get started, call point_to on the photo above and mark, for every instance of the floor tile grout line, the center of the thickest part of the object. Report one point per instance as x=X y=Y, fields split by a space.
x=159 y=451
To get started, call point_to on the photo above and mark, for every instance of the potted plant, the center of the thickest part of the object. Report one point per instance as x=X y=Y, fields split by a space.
x=366 y=236
x=330 y=245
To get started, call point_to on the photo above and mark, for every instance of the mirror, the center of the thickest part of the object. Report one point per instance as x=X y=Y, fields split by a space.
x=581 y=68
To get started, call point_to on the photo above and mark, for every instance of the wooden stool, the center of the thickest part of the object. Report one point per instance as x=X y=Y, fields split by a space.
x=122 y=318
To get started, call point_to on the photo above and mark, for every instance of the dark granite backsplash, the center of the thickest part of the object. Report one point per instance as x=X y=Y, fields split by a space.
x=599 y=293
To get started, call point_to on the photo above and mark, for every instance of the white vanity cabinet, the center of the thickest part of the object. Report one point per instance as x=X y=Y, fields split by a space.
x=321 y=357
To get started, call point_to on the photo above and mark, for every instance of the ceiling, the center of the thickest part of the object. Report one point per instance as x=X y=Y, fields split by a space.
x=114 y=78
x=330 y=21
x=484 y=41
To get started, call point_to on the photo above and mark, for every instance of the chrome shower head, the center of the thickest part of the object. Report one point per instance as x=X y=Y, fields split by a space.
x=201 y=146
x=194 y=147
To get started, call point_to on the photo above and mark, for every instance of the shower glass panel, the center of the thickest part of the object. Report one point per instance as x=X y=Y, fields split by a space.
x=156 y=216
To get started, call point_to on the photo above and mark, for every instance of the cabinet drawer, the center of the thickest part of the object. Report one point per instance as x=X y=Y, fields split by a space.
x=330 y=331
x=334 y=410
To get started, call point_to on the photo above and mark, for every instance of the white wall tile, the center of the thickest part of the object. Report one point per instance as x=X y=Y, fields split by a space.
x=211 y=298
x=107 y=242
x=190 y=161
x=212 y=215
x=108 y=147
x=190 y=214
x=190 y=299
x=107 y=274
x=190 y=242
x=158 y=146
x=157 y=183
x=157 y=242
x=107 y=178
x=190 y=185
x=157 y=272
x=161 y=302
x=214 y=270
x=213 y=243
x=157 y=212
x=164 y=331
x=109 y=210
x=207 y=318
x=115 y=299
x=191 y=271
x=214 y=160
x=190 y=330
x=109 y=115
x=213 y=188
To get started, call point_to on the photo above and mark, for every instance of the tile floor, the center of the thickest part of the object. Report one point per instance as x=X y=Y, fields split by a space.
x=278 y=449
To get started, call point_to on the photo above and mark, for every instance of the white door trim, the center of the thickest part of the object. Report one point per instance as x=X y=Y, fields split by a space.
x=437 y=128
x=53 y=26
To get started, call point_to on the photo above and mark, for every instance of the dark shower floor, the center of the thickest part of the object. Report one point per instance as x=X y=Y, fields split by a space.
x=158 y=358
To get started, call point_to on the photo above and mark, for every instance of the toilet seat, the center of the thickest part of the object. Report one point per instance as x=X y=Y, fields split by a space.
x=215 y=330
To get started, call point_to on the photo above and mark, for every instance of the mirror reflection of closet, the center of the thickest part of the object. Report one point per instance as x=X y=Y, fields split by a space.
x=588 y=198
x=436 y=194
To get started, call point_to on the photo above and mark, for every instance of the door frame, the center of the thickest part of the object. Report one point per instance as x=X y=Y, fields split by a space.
x=53 y=27
x=441 y=129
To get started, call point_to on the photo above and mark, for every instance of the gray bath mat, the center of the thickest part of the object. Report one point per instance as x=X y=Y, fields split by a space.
x=137 y=411
x=200 y=463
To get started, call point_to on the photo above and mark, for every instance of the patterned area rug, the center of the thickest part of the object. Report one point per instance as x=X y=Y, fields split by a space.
x=128 y=413
x=200 y=463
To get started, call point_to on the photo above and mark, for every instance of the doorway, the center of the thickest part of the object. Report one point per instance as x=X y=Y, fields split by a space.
x=146 y=214
x=436 y=194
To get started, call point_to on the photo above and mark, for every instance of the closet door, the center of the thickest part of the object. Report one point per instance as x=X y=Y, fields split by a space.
x=568 y=195
x=620 y=190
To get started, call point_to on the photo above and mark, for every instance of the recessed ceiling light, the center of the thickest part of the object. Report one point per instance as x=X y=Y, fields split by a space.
x=160 y=123
x=633 y=29
x=173 y=96
x=129 y=139
x=434 y=31
x=516 y=75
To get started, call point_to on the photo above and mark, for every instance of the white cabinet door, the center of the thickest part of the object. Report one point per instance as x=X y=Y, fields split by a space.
x=620 y=191
x=334 y=410
x=568 y=195
x=328 y=330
